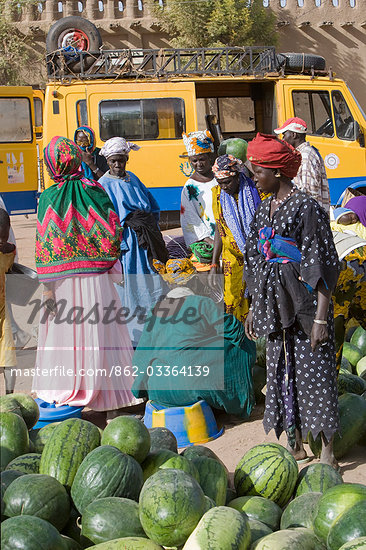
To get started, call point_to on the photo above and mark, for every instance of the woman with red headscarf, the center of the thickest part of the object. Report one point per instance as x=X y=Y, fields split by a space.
x=291 y=268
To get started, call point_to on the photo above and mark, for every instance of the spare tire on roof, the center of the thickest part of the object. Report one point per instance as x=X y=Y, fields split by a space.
x=301 y=62
x=74 y=34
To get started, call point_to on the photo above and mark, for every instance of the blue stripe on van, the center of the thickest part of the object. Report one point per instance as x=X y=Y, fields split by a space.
x=20 y=202
x=338 y=185
x=168 y=198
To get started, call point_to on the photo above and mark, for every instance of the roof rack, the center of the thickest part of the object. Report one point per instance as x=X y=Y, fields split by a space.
x=249 y=60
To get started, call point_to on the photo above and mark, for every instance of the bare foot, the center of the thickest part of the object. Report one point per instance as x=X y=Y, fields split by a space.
x=327 y=455
x=298 y=452
x=331 y=461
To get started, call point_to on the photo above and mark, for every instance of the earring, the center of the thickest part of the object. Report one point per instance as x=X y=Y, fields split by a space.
x=278 y=175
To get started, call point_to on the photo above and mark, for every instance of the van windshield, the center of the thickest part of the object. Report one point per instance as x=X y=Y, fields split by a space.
x=15 y=120
x=142 y=119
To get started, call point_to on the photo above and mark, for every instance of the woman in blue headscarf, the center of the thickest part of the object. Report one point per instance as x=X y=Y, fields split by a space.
x=93 y=164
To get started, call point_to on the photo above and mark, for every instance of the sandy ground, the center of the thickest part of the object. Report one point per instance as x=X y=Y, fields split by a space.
x=238 y=437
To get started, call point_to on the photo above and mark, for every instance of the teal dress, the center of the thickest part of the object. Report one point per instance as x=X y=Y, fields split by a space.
x=199 y=335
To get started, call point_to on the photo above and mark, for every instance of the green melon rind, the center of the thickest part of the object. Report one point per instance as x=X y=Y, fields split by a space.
x=212 y=478
x=40 y=436
x=154 y=460
x=14 y=438
x=129 y=435
x=70 y=544
x=28 y=463
x=106 y=472
x=40 y=496
x=200 y=450
x=110 y=518
x=28 y=407
x=162 y=438
x=267 y=470
x=358 y=339
x=128 y=543
x=30 y=533
x=289 y=539
x=350 y=383
x=333 y=503
x=259 y=508
x=356 y=544
x=9 y=404
x=301 y=511
x=317 y=478
x=352 y=353
x=258 y=529
x=348 y=526
x=179 y=462
x=171 y=505
x=70 y=442
x=220 y=527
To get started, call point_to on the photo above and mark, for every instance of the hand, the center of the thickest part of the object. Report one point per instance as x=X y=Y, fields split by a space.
x=88 y=159
x=319 y=335
x=212 y=277
x=208 y=240
x=248 y=326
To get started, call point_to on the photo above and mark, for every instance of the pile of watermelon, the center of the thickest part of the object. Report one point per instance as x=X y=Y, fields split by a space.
x=70 y=485
x=352 y=374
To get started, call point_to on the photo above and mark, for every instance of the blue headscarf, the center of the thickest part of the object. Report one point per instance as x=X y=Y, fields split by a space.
x=89 y=133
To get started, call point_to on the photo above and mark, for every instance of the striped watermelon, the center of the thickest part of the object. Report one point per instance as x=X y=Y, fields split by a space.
x=258 y=529
x=40 y=436
x=267 y=470
x=222 y=528
x=259 y=508
x=14 y=438
x=178 y=462
x=301 y=511
x=162 y=438
x=28 y=463
x=128 y=543
x=289 y=539
x=70 y=544
x=209 y=504
x=348 y=526
x=335 y=502
x=129 y=435
x=356 y=544
x=67 y=447
x=171 y=505
x=154 y=460
x=30 y=533
x=212 y=478
x=317 y=478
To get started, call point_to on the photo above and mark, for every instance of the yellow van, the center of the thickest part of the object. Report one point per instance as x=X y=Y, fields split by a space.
x=152 y=96
x=18 y=150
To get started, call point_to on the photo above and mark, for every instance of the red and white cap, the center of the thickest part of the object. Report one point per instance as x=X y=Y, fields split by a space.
x=294 y=124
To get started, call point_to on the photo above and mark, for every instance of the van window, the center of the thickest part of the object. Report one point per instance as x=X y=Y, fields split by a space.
x=142 y=119
x=15 y=120
x=38 y=111
x=344 y=121
x=81 y=113
x=235 y=114
x=314 y=108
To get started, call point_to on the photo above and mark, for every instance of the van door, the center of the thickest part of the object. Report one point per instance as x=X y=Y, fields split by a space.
x=38 y=103
x=18 y=152
x=333 y=120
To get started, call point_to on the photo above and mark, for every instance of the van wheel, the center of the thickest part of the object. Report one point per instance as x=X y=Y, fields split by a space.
x=78 y=33
x=300 y=61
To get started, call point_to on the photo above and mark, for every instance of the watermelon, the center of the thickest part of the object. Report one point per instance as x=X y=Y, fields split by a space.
x=345 y=365
x=212 y=478
x=348 y=526
x=67 y=447
x=154 y=460
x=222 y=528
x=70 y=544
x=30 y=533
x=209 y=503
x=350 y=331
x=200 y=450
x=8 y=404
x=178 y=462
x=361 y=368
x=72 y=528
x=267 y=470
x=352 y=353
x=352 y=412
x=230 y=495
x=128 y=543
x=14 y=439
x=236 y=147
x=38 y=495
x=335 y=502
x=317 y=478
x=259 y=508
x=129 y=435
x=289 y=539
x=6 y=478
x=301 y=511
x=106 y=472
x=258 y=529
x=259 y=381
x=358 y=339
x=171 y=505
x=355 y=544
x=28 y=407
x=260 y=345
x=40 y=436
x=28 y=463
x=350 y=383
x=110 y=518
x=162 y=438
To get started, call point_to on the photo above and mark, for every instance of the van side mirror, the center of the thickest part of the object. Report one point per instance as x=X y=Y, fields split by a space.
x=358 y=133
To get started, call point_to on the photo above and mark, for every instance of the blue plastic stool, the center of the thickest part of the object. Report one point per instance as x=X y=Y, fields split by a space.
x=191 y=425
x=49 y=413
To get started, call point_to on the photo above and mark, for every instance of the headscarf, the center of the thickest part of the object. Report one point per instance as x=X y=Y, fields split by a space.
x=226 y=166
x=117 y=146
x=358 y=206
x=270 y=152
x=175 y=272
x=339 y=212
x=199 y=142
x=78 y=230
x=90 y=134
